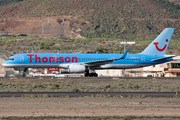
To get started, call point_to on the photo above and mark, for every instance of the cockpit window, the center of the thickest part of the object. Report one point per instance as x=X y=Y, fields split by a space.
x=10 y=59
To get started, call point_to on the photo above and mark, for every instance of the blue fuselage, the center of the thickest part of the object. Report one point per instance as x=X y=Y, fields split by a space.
x=51 y=60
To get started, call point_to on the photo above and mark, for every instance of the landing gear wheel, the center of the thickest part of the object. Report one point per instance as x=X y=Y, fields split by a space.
x=24 y=72
x=24 y=75
x=86 y=74
x=93 y=75
x=96 y=75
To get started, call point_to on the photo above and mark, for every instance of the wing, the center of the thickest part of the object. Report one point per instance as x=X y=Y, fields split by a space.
x=102 y=62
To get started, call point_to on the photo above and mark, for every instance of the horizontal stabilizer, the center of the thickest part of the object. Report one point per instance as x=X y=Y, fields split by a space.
x=163 y=58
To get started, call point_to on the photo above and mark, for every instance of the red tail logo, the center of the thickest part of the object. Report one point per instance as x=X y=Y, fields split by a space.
x=160 y=50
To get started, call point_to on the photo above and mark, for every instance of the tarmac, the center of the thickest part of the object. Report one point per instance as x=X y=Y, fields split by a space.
x=82 y=94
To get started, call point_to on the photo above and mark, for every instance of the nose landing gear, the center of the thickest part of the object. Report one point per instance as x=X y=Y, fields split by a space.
x=24 y=72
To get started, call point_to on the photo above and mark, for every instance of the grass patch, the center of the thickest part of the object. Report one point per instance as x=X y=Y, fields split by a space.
x=57 y=44
x=90 y=85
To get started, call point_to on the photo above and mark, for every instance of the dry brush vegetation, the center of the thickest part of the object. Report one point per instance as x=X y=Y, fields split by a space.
x=56 y=44
x=122 y=19
x=89 y=85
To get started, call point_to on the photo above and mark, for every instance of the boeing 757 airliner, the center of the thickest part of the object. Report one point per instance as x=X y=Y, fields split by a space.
x=83 y=63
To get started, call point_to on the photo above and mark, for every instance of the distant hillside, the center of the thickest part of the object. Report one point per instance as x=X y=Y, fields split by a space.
x=175 y=1
x=7 y=3
x=125 y=19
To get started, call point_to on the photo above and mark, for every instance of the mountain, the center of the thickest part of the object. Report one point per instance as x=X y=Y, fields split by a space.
x=175 y=1
x=123 y=19
x=7 y=3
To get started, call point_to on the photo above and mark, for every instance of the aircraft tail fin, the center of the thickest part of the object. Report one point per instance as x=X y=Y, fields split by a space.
x=159 y=46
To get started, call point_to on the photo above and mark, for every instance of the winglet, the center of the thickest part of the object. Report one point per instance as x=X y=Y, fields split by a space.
x=124 y=55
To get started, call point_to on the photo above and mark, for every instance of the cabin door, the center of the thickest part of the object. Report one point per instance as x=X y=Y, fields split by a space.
x=142 y=59
x=22 y=59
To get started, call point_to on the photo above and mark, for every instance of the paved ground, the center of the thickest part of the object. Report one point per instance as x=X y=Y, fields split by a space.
x=82 y=94
x=89 y=106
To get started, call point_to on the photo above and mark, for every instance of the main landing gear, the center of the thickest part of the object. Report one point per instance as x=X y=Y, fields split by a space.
x=92 y=74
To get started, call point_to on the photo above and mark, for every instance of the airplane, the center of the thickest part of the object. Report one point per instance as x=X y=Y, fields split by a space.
x=84 y=63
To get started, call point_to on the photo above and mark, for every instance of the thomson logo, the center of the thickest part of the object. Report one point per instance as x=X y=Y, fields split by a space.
x=52 y=59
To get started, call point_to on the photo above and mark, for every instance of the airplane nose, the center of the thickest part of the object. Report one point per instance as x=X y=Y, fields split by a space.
x=4 y=64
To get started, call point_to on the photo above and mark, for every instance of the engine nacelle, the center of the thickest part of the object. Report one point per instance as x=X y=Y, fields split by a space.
x=74 y=69
x=64 y=70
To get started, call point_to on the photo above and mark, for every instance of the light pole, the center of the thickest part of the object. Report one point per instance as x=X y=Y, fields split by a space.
x=32 y=48
x=43 y=25
x=125 y=42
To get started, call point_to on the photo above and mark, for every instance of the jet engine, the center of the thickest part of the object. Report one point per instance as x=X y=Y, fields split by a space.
x=74 y=69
